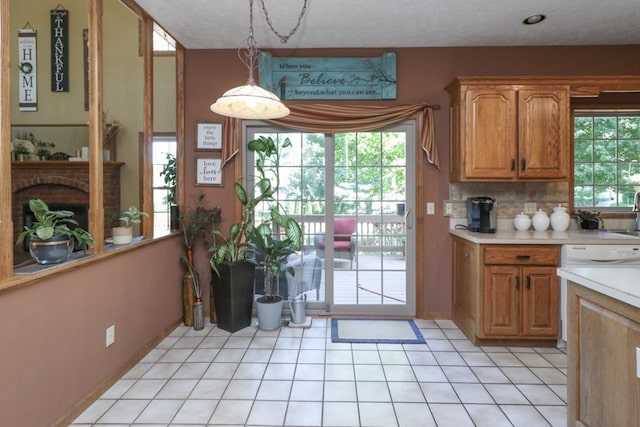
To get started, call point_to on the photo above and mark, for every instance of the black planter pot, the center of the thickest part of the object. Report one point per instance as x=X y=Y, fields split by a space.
x=174 y=217
x=233 y=293
x=590 y=224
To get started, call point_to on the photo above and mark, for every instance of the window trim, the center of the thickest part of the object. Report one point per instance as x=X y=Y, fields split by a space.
x=596 y=110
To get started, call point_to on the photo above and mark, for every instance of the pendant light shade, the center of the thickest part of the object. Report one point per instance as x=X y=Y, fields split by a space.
x=250 y=102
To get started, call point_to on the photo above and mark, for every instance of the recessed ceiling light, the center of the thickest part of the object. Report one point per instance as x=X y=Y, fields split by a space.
x=534 y=19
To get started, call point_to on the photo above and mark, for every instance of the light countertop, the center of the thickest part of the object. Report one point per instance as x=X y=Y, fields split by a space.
x=511 y=237
x=622 y=284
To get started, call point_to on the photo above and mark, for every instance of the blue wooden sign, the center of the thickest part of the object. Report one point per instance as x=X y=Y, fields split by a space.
x=329 y=78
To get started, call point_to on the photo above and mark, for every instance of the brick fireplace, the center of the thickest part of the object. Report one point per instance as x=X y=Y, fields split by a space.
x=59 y=182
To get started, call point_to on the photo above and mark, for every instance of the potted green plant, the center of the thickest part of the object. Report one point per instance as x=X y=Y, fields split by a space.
x=123 y=234
x=273 y=256
x=233 y=261
x=42 y=148
x=169 y=174
x=53 y=235
x=22 y=149
x=588 y=220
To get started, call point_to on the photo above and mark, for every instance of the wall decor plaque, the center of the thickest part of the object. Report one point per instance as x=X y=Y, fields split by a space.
x=208 y=171
x=208 y=136
x=329 y=78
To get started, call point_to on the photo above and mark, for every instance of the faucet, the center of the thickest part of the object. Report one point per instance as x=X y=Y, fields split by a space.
x=636 y=209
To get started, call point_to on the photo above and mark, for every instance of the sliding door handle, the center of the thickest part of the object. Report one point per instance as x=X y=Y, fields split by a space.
x=409 y=223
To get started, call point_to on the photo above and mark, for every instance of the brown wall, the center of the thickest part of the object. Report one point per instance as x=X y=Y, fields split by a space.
x=422 y=75
x=52 y=348
x=52 y=332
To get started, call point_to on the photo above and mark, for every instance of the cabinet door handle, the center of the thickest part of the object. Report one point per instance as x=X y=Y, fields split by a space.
x=524 y=164
x=517 y=282
x=513 y=164
x=528 y=282
x=523 y=256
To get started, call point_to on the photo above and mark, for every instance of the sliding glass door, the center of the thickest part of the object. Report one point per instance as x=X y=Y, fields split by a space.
x=353 y=194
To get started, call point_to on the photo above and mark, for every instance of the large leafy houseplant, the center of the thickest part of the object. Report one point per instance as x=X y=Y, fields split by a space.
x=232 y=255
x=57 y=227
x=50 y=223
x=245 y=237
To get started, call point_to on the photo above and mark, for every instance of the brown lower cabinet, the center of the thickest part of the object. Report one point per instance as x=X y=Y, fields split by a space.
x=506 y=294
x=603 y=388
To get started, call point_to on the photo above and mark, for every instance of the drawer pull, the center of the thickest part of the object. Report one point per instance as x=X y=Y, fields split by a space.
x=517 y=282
x=524 y=164
x=528 y=282
x=513 y=164
x=523 y=256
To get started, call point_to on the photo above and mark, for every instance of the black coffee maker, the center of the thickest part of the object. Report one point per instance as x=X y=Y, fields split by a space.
x=481 y=214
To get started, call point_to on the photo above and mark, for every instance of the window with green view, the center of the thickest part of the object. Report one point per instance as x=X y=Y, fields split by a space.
x=607 y=159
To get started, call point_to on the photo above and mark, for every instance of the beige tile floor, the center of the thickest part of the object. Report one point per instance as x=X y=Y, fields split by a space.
x=296 y=377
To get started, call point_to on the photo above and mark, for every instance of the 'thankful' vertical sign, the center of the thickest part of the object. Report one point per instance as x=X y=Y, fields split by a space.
x=59 y=50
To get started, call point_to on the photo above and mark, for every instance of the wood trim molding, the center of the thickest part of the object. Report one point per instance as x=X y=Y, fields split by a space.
x=579 y=86
x=147 y=126
x=180 y=126
x=96 y=107
x=6 y=225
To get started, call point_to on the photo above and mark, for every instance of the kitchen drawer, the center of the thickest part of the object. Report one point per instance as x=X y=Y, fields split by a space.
x=522 y=255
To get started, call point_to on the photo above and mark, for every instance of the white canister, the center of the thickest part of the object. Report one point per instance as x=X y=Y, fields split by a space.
x=521 y=222
x=540 y=221
x=560 y=219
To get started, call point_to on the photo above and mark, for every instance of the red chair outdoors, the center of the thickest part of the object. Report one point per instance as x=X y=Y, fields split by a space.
x=344 y=240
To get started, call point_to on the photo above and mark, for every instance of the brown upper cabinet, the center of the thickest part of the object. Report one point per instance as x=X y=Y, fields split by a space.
x=509 y=131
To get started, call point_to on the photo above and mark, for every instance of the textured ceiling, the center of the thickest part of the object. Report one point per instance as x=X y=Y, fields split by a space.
x=223 y=24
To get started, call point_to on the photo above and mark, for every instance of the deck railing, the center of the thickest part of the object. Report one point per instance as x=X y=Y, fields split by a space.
x=374 y=233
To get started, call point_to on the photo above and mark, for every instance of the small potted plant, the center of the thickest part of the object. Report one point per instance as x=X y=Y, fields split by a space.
x=42 y=149
x=588 y=220
x=22 y=149
x=53 y=235
x=123 y=234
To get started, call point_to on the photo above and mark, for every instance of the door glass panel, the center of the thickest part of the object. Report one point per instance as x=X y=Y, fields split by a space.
x=370 y=189
x=349 y=193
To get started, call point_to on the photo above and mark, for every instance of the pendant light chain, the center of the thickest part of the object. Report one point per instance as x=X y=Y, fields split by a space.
x=249 y=54
x=284 y=38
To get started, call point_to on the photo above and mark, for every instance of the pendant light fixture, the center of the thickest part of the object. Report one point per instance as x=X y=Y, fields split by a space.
x=250 y=101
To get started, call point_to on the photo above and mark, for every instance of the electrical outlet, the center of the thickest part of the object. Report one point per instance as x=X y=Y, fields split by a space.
x=448 y=209
x=431 y=208
x=111 y=335
x=530 y=208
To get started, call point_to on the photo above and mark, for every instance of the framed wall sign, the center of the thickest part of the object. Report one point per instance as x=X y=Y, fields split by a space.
x=208 y=171
x=208 y=136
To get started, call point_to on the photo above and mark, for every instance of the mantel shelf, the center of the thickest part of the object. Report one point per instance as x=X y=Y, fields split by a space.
x=49 y=164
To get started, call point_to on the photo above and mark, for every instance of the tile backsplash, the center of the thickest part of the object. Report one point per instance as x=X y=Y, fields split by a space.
x=510 y=197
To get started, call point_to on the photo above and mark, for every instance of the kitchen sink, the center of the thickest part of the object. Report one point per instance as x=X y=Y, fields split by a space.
x=634 y=233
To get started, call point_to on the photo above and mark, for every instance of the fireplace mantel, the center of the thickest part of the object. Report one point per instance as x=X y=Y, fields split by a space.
x=59 y=181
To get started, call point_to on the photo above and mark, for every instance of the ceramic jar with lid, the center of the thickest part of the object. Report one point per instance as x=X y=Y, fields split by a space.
x=560 y=219
x=521 y=222
x=540 y=220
